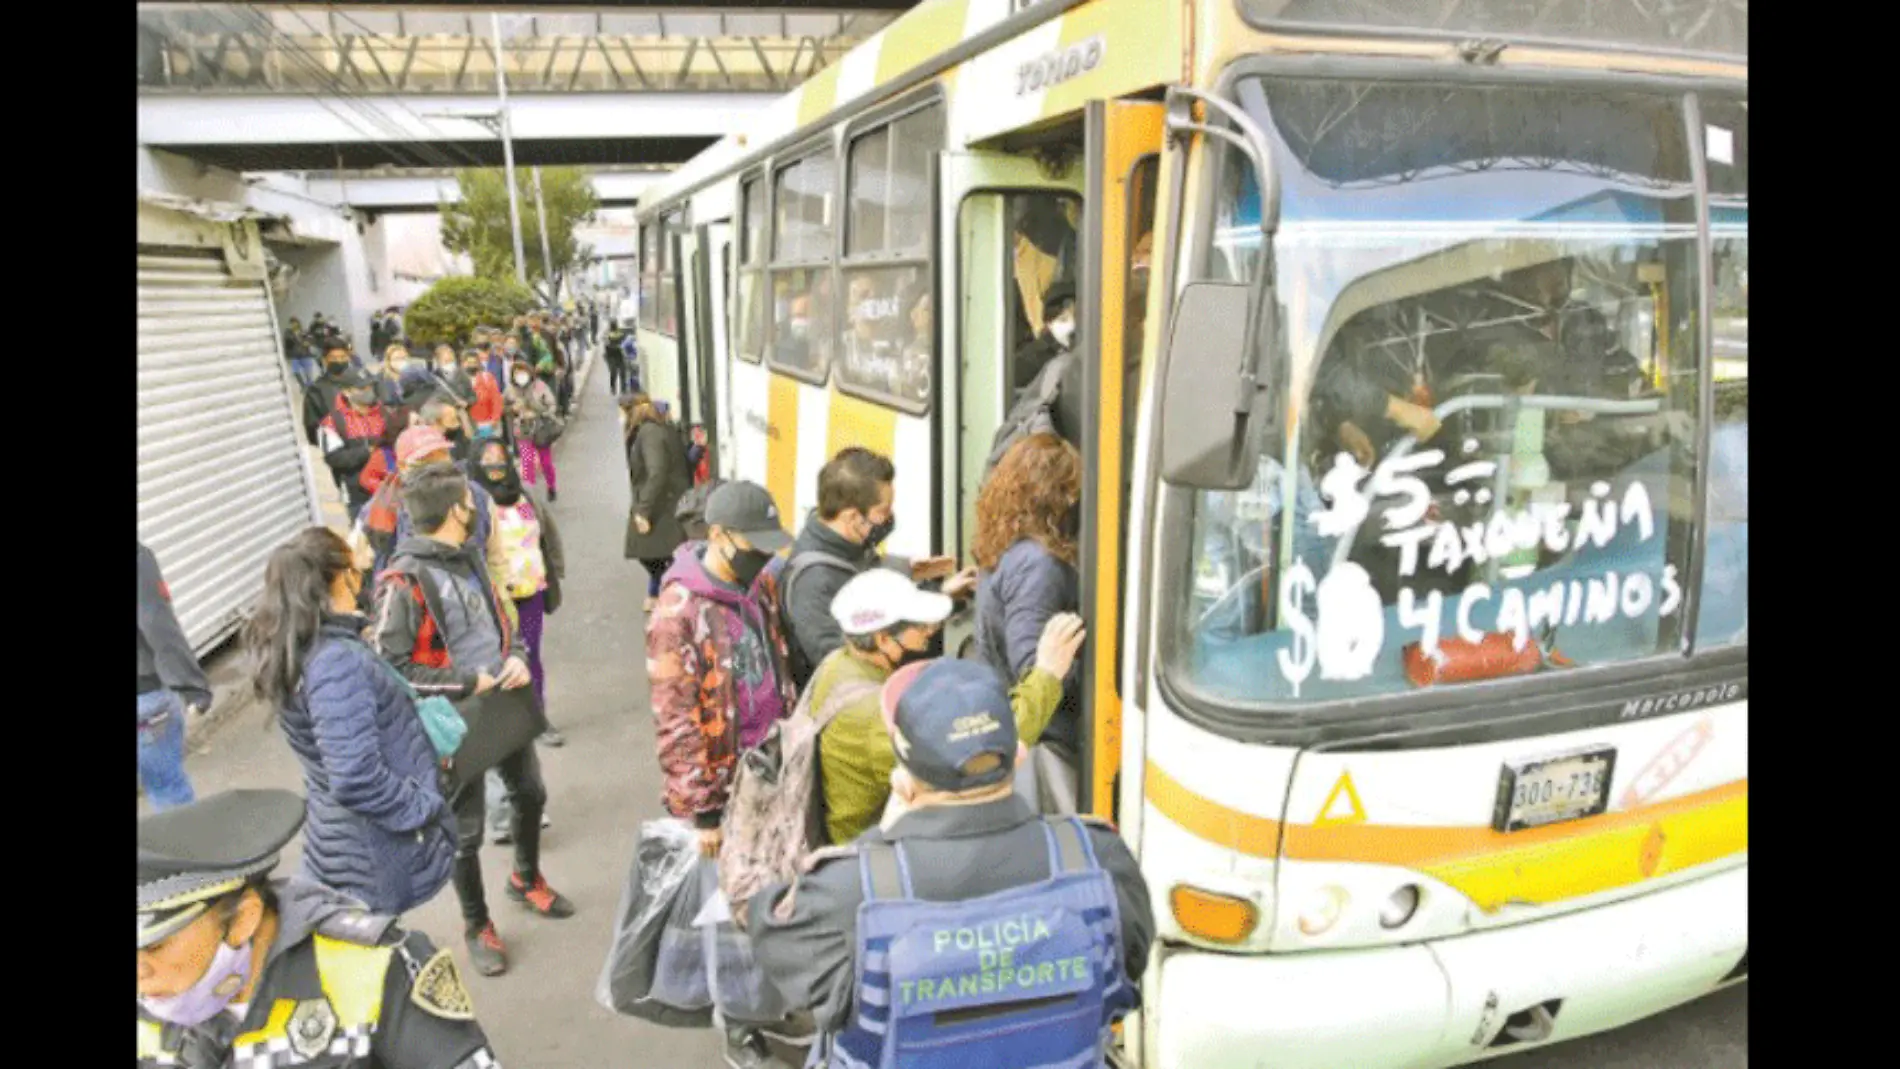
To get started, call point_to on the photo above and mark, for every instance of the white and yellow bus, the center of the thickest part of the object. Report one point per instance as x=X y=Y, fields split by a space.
x=1449 y=758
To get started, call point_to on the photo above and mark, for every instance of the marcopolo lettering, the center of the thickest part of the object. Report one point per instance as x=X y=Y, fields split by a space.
x=998 y=969
x=1682 y=701
x=1054 y=68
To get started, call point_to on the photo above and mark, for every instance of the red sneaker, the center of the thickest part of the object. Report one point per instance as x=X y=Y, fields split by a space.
x=539 y=897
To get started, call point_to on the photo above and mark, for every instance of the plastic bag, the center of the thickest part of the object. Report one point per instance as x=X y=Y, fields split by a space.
x=656 y=964
x=740 y=989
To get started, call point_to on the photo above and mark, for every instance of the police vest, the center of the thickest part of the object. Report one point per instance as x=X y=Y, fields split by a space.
x=1028 y=976
x=328 y=1001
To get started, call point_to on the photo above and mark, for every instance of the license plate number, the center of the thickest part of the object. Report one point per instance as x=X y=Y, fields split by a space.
x=1568 y=786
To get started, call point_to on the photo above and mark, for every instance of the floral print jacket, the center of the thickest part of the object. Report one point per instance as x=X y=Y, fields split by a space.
x=705 y=715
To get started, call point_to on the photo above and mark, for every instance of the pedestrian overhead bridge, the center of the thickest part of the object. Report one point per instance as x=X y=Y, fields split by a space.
x=334 y=87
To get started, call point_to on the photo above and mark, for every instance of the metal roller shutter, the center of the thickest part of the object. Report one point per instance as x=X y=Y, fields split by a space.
x=222 y=475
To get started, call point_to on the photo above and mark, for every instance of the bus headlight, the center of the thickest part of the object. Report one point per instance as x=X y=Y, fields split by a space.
x=1323 y=911
x=1399 y=908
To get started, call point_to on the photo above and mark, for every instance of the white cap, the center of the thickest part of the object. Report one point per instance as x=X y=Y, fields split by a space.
x=881 y=598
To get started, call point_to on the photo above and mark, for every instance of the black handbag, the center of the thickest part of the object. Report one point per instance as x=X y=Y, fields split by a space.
x=545 y=431
x=500 y=723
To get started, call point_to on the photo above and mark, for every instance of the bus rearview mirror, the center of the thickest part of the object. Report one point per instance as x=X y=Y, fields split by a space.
x=1211 y=394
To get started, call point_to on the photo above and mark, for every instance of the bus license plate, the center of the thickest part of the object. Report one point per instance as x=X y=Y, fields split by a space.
x=1552 y=789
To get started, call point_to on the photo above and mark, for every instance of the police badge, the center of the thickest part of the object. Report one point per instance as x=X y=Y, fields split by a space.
x=438 y=989
x=312 y=1024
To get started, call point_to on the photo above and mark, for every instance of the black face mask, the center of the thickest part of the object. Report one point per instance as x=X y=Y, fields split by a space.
x=881 y=531
x=335 y=371
x=746 y=564
x=502 y=482
x=909 y=656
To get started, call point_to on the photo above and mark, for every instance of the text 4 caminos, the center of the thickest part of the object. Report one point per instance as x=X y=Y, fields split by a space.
x=1344 y=631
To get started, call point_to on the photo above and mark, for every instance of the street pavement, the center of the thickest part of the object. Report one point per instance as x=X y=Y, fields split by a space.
x=541 y=1014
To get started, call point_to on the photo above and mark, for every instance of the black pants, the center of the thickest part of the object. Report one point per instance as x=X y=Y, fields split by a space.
x=521 y=775
x=616 y=373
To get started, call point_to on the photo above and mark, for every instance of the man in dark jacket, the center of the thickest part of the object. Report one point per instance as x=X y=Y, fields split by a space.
x=957 y=832
x=320 y=399
x=170 y=683
x=854 y=517
x=441 y=622
x=351 y=433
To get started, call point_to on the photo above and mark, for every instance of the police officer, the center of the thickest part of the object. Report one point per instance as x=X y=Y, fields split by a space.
x=963 y=899
x=239 y=970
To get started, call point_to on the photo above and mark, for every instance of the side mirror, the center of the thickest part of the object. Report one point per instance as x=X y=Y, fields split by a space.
x=1212 y=395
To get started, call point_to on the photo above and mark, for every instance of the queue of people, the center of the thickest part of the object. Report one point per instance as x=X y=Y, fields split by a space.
x=403 y=665
x=959 y=774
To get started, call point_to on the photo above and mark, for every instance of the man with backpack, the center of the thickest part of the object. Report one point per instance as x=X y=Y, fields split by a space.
x=1049 y=379
x=440 y=621
x=888 y=624
x=1034 y=931
x=716 y=662
x=840 y=540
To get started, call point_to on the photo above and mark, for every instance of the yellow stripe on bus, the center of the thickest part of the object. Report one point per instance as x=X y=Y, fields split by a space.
x=781 y=443
x=928 y=30
x=1536 y=865
x=854 y=421
x=818 y=94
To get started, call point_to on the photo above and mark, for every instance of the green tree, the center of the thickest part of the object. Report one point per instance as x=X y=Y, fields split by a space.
x=477 y=225
x=454 y=307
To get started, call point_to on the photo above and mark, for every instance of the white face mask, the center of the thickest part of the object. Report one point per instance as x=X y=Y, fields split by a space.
x=1062 y=330
x=523 y=380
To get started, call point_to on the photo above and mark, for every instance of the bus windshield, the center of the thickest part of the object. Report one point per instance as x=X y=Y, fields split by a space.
x=1488 y=302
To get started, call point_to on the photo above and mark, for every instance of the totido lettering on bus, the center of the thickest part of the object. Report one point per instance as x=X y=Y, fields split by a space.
x=1056 y=67
x=1345 y=631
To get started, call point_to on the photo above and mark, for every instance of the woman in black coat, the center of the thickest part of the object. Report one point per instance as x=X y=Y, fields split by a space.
x=657 y=470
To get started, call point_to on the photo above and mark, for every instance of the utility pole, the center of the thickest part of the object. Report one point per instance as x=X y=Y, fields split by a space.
x=547 y=258
x=508 y=150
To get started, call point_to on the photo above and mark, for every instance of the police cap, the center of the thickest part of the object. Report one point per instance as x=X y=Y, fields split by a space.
x=195 y=854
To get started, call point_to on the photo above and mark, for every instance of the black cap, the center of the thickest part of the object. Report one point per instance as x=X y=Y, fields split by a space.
x=196 y=854
x=747 y=509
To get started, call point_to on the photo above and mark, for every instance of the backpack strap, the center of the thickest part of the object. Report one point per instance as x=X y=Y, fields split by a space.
x=838 y=699
x=882 y=868
x=802 y=562
x=1069 y=847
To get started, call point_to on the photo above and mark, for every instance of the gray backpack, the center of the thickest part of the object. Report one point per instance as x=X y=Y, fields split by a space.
x=775 y=814
x=1033 y=411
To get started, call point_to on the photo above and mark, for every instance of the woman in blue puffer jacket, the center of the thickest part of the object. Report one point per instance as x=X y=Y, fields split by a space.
x=377 y=828
x=1027 y=525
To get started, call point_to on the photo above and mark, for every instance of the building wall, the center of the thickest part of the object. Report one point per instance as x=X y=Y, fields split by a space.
x=331 y=254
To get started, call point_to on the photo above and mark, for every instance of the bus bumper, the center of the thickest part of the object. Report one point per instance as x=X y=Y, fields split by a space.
x=1446 y=1002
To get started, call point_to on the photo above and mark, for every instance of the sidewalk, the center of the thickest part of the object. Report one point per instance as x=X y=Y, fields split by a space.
x=601 y=785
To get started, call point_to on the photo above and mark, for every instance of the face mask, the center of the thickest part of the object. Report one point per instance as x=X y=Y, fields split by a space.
x=335 y=371
x=746 y=564
x=523 y=380
x=1063 y=331
x=881 y=531
x=397 y=367
x=906 y=655
x=452 y=433
x=229 y=971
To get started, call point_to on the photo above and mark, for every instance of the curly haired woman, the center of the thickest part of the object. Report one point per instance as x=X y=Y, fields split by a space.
x=1026 y=530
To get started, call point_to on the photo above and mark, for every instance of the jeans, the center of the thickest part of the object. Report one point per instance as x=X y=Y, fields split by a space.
x=520 y=775
x=305 y=369
x=162 y=749
x=656 y=570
